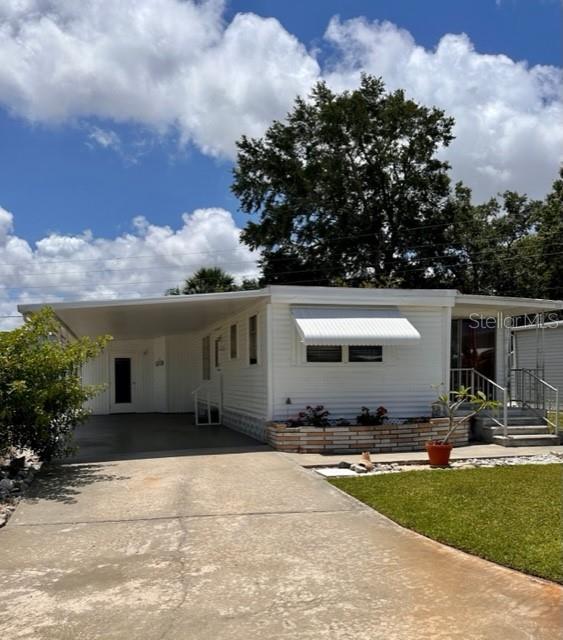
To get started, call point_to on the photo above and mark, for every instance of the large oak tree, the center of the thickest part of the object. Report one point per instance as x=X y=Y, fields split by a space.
x=348 y=189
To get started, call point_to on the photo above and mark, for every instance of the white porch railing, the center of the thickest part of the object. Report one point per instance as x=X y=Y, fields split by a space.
x=529 y=390
x=476 y=382
x=208 y=402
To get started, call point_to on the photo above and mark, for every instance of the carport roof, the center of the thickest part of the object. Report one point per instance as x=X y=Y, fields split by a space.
x=169 y=315
x=149 y=317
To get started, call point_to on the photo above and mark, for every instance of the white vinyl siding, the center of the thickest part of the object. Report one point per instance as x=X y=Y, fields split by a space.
x=526 y=344
x=244 y=384
x=402 y=382
x=183 y=375
x=148 y=389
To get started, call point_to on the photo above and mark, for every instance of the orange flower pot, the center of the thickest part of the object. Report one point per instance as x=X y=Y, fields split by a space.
x=438 y=453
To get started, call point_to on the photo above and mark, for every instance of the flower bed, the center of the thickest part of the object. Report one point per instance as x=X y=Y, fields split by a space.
x=353 y=438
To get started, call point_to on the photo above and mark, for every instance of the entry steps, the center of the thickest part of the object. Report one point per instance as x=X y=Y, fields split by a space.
x=525 y=429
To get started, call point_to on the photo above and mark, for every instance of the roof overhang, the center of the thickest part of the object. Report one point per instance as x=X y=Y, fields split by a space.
x=152 y=317
x=322 y=326
x=492 y=306
x=149 y=317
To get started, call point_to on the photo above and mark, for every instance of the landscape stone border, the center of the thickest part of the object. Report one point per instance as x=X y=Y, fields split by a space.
x=383 y=438
x=16 y=474
x=345 y=469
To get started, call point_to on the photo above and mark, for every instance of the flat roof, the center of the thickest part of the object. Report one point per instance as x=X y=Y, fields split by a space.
x=160 y=315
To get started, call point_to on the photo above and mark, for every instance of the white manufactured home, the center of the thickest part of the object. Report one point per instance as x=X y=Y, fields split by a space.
x=539 y=347
x=248 y=358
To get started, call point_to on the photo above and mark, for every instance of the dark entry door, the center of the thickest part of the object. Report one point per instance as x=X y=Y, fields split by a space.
x=123 y=383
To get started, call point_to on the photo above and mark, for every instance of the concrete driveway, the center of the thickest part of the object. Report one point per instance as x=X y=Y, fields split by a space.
x=241 y=546
x=149 y=435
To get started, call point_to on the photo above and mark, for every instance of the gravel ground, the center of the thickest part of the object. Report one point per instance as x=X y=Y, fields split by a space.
x=469 y=463
x=16 y=474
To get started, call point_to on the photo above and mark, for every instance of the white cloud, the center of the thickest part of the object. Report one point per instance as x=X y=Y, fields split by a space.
x=509 y=132
x=144 y=262
x=178 y=68
x=105 y=138
x=166 y=64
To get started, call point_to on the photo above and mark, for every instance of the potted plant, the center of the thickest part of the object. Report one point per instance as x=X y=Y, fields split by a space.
x=439 y=450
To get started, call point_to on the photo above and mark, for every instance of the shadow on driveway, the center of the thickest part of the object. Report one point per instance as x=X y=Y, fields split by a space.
x=64 y=483
x=153 y=435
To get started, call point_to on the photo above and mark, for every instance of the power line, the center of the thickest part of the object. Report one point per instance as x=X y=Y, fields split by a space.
x=404 y=271
x=241 y=262
x=219 y=251
x=238 y=262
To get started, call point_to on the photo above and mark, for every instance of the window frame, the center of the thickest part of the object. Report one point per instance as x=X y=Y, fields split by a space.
x=301 y=357
x=253 y=336
x=379 y=346
x=234 y=342
x=217 y=352
x=335 y=346
x=206 y=358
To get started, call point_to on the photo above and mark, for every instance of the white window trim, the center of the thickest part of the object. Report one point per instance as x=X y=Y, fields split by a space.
x=345 y=358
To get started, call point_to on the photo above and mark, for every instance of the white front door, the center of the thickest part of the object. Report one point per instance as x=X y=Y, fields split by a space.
x=123 y=372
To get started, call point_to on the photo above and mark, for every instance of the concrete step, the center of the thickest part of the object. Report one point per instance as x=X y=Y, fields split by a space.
x=515 y=421
x=513 y=411
x=539 y=440
x=523 y=430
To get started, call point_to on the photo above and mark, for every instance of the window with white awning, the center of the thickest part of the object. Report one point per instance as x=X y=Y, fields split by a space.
x=353 y=326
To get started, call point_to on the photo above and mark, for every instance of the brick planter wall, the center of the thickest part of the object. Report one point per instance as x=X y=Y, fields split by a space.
x=355 y=438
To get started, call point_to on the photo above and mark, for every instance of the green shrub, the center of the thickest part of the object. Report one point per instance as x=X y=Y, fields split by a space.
x=41 y=394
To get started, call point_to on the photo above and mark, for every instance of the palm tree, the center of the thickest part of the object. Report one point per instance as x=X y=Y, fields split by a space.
x=206 y=280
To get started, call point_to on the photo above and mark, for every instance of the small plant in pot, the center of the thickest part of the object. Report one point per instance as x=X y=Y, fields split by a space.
x=439 y=451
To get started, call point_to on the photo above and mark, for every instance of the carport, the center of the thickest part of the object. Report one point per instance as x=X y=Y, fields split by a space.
x=152 y=435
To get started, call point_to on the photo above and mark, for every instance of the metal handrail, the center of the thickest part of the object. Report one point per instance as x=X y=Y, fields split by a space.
x=535 y=399
x=209 y=403
x=476 y=381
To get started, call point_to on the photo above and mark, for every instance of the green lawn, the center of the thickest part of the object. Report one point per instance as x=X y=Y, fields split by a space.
x=511 y=515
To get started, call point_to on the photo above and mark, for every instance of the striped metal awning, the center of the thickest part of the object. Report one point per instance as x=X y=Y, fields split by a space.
x=353 y=326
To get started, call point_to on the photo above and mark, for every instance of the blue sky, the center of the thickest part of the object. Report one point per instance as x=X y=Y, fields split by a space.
x=53 y=180
x=122 y=135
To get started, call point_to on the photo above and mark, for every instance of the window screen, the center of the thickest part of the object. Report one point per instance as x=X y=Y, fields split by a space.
x=253 y=340
x=206 y=358
x=234 y=342
x=324 y=354
x=365 y=354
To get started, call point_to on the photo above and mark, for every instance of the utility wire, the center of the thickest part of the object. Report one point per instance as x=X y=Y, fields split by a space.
x=407 y=270
x=219 y=251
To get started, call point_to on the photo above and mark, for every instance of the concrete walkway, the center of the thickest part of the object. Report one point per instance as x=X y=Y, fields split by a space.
x=241 y=546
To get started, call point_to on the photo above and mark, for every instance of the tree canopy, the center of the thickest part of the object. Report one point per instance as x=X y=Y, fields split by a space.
x=350 y=189
x=343 y=186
